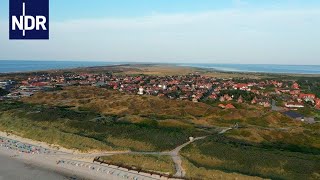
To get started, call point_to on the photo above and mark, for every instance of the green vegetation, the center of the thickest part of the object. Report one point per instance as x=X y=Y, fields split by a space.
x=155 y=163
x=230 y=155
x=202 y=173
x=63 y=125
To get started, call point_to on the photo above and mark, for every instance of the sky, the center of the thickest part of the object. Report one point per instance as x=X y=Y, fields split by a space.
x=174 y=31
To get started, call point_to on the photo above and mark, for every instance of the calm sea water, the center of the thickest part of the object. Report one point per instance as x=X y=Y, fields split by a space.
x=23 y=66
x=265 y=68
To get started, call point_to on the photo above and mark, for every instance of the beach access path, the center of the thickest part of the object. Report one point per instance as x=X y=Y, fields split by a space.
x=69 y=163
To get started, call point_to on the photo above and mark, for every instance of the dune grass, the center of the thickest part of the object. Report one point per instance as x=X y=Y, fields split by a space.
x=87 y=131
x=229 y=155
x=202 y=173
x=155 y=163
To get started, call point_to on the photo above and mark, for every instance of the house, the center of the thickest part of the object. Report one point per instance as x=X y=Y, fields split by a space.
x=141 y=91
x=229 y=106
x=295 y=92
x=213 y=96
x=254 y=100
x=240 y=99
x=295 y=86
x=195 y=100
x=222 y=99
x=222 y=106
x=307 y=96
x=227 y=97
x=241 y=86
x=265 y=104
x=294 y=105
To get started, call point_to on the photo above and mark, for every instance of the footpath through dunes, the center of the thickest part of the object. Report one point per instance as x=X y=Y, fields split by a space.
x=62 y=161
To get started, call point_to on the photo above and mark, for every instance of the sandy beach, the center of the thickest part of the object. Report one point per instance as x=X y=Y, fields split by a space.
x=13 y=169
x=22 y=159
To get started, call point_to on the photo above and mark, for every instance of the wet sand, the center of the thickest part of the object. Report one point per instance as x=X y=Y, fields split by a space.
x=12 y=169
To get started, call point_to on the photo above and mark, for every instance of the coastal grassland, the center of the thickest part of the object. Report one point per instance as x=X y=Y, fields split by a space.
x=134 y=108
x=87 y=131
x=304 y=139
x=202 y=173
x=231 y=155
x=154 y=163
x=52 y=135
x=123 y=120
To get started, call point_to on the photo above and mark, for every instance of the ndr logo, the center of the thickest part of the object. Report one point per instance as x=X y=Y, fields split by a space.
x=29 y=19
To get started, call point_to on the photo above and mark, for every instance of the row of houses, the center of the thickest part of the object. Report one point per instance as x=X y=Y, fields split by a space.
x=193 y=87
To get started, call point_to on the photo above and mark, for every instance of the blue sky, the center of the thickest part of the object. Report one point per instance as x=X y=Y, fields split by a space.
x=208 y=31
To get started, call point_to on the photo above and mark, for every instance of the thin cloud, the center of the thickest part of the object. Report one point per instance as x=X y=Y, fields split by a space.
x=235 y=35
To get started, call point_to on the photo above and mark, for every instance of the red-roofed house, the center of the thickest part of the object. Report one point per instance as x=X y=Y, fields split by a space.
x=213 y=96
x=295 y=92
x=240 y=99
x=317 y=103
x=307 y=96
x=230 y=106
x=222 y=106
x=295 y=86
x=241 y=86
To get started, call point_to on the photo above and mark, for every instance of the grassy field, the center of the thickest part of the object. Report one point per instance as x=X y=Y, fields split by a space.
x=155 y=163
x=230 y=155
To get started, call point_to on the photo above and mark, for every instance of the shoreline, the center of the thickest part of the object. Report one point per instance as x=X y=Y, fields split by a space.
x=67 y=163
x=214 y=67
x=41 y=162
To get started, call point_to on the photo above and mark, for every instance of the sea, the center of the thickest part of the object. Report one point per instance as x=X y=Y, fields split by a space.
x=8 y=66
x=261 y=68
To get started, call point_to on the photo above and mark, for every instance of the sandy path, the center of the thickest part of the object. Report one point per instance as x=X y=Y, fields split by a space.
x=80 y=164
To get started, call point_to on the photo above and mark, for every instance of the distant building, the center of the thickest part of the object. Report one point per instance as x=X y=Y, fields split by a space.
x=294 y=105
x=254 y=100
x=141 y=91
x=7 y=85
x=295 y=86
x=222 y=106
x=241 y=86
x=195 y=100
x=317 y=103
x=240 y=99
x=230 y=106
x=307 y=96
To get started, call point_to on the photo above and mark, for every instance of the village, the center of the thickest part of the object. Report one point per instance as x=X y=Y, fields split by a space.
x=225 y=93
